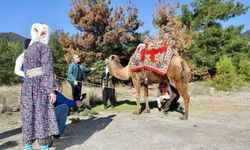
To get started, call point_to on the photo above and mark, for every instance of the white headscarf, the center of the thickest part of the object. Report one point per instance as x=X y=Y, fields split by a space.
x=40 y=32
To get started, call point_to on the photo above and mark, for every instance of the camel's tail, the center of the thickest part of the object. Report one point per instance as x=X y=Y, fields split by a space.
x=186 y=72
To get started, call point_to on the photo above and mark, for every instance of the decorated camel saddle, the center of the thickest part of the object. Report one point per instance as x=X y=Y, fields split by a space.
x=153 y=56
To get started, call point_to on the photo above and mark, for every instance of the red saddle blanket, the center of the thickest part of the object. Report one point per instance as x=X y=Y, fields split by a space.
x=156 y=59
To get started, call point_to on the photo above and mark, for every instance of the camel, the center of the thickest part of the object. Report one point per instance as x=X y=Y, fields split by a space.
x=178 y=73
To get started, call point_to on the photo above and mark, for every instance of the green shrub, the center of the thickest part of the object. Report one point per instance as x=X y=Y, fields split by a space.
x=226 y=77
x=95 y=76
x=244 y=69
x=8 y=54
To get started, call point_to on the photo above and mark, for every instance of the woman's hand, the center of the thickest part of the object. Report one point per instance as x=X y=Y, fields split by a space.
x=52 y=97
x=78 y=103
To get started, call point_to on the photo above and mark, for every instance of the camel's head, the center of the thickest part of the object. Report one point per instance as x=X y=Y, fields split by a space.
x=112 y=59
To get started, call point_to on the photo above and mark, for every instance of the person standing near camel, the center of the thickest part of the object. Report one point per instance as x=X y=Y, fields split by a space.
x=108 y=88
x=37 y=94
x=75 y=76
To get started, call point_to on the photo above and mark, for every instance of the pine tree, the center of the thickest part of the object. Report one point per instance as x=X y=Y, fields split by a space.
x=103 y=30
x=60 y=64
x=8 y=53
x=168 y=23
x=226 y=77
x=212 y=41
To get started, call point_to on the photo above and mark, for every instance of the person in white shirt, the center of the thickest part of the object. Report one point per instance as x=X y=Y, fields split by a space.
x=167 y=97
x=20 y=59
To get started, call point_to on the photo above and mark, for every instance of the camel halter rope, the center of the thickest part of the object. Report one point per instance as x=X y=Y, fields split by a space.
x=145 y=77
x=86 y=83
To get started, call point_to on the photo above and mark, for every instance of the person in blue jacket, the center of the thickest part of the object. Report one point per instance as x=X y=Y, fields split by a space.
x=75 y=76
x=62 y=106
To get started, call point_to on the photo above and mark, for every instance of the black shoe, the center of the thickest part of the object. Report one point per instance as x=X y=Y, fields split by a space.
x=83 y=96
x=56 y=136
x=159 y=108
x=61 y=136
x=50 y=141
x=175 y=106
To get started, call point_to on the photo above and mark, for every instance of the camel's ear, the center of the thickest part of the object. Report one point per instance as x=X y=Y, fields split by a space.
x=117 y=59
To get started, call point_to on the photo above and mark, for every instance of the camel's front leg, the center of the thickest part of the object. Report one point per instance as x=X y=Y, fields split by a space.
x=138 y=93
x=147 y=109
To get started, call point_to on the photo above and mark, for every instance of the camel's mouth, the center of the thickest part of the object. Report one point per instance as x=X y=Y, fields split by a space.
x=108 y=61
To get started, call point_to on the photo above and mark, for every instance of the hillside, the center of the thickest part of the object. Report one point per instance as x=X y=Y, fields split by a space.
x=12 y=37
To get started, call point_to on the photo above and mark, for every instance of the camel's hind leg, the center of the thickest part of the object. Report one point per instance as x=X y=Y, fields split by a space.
x=182 y=89
x=147 y=109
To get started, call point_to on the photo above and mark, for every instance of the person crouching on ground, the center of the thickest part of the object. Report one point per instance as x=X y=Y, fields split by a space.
x=167 y=97
x=62 y=106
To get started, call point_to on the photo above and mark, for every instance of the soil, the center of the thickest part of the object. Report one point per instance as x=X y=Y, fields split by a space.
x=217 y=120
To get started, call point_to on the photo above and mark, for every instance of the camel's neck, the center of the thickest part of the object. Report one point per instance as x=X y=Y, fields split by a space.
x=119 y=72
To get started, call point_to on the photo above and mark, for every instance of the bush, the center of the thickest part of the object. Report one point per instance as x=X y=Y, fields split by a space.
x=95 y=76
x=226 y=77
x=244 y=69
x=8 y=54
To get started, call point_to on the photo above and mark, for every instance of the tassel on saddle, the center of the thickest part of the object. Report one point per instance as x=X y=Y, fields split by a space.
x=146 y=80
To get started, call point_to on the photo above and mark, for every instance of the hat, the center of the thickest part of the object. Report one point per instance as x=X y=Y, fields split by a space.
x=75 y=56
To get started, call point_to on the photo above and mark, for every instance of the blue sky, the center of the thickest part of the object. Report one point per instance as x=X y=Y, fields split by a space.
x=18 y=15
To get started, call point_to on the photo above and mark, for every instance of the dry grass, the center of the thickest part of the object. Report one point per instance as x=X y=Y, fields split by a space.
x=125 y=95
x=9 y=98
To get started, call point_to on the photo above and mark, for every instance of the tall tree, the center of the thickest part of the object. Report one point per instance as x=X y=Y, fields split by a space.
x=8 y=53
x=60 y=64
x=103 y=30
x=170 y=25
x=212 y=40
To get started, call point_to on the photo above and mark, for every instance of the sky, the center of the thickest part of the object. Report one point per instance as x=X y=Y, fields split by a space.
x=19 y=15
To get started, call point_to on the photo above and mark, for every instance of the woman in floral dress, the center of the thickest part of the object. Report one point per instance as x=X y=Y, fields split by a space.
x=37 y=95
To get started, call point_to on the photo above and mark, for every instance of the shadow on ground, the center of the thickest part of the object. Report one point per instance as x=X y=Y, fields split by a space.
x=152 y=105
x=9 y=133
x=81 y=130
x=9 y=144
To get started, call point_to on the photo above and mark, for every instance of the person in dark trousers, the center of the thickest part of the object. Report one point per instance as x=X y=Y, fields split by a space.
x=75 y=76
x=168 y=97
x=108 y=85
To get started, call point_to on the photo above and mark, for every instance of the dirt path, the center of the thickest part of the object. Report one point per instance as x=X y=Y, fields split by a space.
x=217 y=121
